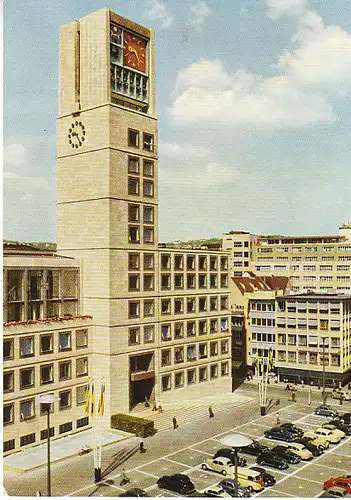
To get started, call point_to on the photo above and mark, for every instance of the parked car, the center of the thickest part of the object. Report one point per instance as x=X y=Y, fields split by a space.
x=292 y=428
x=283 y=452
x=325 y=411
x=134 y=492
x=255 y=448
x=342 y=482
x=337 y=393
x=180 y=483
x=340 y=424
x=229 y=453
x=217 y=491
x=229 y=486
x=317 y=440
x=268 y=479
x=334 y=428
x=308 y=443
x=335 y=492
x=299 y=449
x=221 y=465
x=346 y=417
x=331 y=436
x=271 y=459
x=278 y=433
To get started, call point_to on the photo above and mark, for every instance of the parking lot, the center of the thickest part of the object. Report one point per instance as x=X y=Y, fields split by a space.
x=301 y=480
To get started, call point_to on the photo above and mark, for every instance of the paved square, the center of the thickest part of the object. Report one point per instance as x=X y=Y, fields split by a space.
x=209 y=446
x=297 y=487
x=272 y=493
x=255 y=430
x=335 y=461
x=188 y=457
x=162 y=467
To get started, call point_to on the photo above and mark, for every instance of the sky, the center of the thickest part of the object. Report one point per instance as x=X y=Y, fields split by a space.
x=254 y=108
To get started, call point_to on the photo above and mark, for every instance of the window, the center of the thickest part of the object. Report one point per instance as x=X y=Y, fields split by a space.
x=291 y=357
x=148 y=214
x=81 y=367
x=27 y=409
x=178 y=306
x=133 y=261
x=323 y=324
x=213 y=303
x=26 y=347
x=133 y=138
x=202 y=281
x=190 y=280
x=202 y=374
x=8 y=381
x=202 y=327
x=178 y=331
x=224 y=263
x=191 y=377
x=148 y=188
x=46 y=374
x=65 y=400
x=133 y=213
x=148 y=142
x=281 y=356
x=203 y=351
x=9 y=445
x=178 y=262
x=302 y=357
x=133 y=185
x=179 y=355
x=213 y=348
x=81 y=394
x=81 y=339
x=202 y=304
x=133 y=282
x=133 y=165
x=148 y=235
x=190 y=328
x=190 y=305
x=8 y=349
x=166 y=332
x=46 y=344
x=65 y=341
x=148 y=261
x=66 y=427
x=166 y=306
x=224 y=302
x=191 y=352
x=134 y=335
x=213 y=371
x=202 y=262
x=148 y=168
x=190 y=262
x=44 y=433
x=82 y=422
x=28 y=439
x=134 y=234
x=213 y=325
x=165 y=357
x=178 y=281
x=224 y=346
x=26 y=378
x=224 y=324
x=224 y=369
x=8 y=413
x=149 y=306
x=166 y=382
x=165 y=281
x=134 y=309
x=313 y=358
x=149 y=333
x=213 y=264
x=224 y=281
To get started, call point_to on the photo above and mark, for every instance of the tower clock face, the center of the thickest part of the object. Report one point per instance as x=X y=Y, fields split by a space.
x=134 y=52
x=76 y=134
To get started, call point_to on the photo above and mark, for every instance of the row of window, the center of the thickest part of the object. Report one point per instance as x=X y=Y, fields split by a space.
x=47 y=374
x=177 y=305
x=31 y=438
x=134 y=167
x=190 y=353
x=309 y=357
x=28 y=407
x=193 y=376
x=305 y=249
x=259 y=306
x=134 y=140
x=311 y=324
x=262 y=321
x=22 y=311
x=310 y=340
x=134 y=212
x=193 y=328
x=313 y=307
x=192 y=262
x=263 y=337
x=47 y=344
x=134 y=234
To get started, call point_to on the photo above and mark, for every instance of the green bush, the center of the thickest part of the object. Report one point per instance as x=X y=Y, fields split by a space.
x=142 y=427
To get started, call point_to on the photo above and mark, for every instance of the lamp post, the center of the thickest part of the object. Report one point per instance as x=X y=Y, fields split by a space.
x=323 y=383
x=236 y=441
x=46 y=400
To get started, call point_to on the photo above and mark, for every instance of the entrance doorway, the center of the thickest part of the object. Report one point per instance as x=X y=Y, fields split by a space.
x=142 y=378
x=141 y=389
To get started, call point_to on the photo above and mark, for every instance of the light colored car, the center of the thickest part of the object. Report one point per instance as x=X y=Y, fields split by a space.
x=217 y=491
x=299 y=449
x=333 y=428
x=336 y=395
x=331 y=436
x=221 y=465
x=317 y=440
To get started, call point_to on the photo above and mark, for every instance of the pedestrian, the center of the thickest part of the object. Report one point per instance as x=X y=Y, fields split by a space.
x=341 y=398
x=124 y=477
x=293 y=397
x=210 y=412
x=141 y=447
x=160 y=409
x=147 y=404
x=309 y=397
x=302 y=382
x=319 y=385
x=154 y=407
x=287 y=388
x=175 y=424
x=278 y=419
x=38 y=493
x=276 y=379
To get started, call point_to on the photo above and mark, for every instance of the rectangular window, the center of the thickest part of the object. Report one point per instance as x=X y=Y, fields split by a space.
x=133 y=185
x=148 y=261
x=191 y=377
x=178 y=262
x=148 y=188
x=203 y=351
x=202 y=280
x=224 y=263
x=224 y=302
x=178 y=331
x=190 y=329
x=202 y=262
x=82 y=422
x=213 y=371
x=190 y=279
x=66 y=427
x=81 y=367
x=148 y=168
x=190 y=262
x=81 y=394
x=224 y=369
x=178 y=354
x=26 y=347
x=149 y=334
x=202 y=304
x=8 y=349
x=28 y=439
x=133 y=165
x=165 y=357
x=81 y=339
x=27 y=409
x=134 y=335
x=191 y=352
x=148 y=235
x=148 y=142
x=8 y=381
x=133 y=282
x=224 y=346
x=213 y=263
x=190 y=305
x=224 y=324
x=26 y=378
x=134 y=234
x=133 y=138
x=213 y=348
x=133 y=261
x=224 y=281
x=213 y=325
x=9 y=445
x=148 y=214
x=149 y=307
x=178 y=306
x=8 y=413
x=65 y=400
x=202 y=327
x=166 y=332
x=213 y=303
x=64 y=341
x=133 y=213
x=46 y=344
x=202 y=374
x=134 y=309
x=46 y=374
x=166 y=382
x=44 y=433
x=166 y=306
x=179 y=379
x=178 y=281
x=165 y=281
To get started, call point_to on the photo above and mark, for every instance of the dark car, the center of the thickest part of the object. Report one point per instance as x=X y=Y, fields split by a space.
x=268 y=479
x=325 y=411
x=180 y=483
x=340 y=424
x=269 y=458
x=134 y=492
x=281 y=434
x=255 y=448
x=228 y=485
x=289 y=456
x=346 y=417
x=292 y=428
x=307 y=442
x=228 y=453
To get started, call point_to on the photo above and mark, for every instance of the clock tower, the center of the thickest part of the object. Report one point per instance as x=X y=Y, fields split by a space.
x=107 y=192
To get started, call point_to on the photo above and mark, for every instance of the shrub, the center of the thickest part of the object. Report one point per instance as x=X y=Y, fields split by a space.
x=142 y=427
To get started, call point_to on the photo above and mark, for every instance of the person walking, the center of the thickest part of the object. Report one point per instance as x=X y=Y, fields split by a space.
x=210 y=412
x=124 y=477
x=309 y=397
x=175 y=423
x=141 y=447
x=278 y=419
x=293 y=397
x=341 y=398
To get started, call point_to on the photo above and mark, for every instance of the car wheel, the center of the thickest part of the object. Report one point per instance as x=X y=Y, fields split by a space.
x=224 y=472
x=160 y=484
x=250 y=488
x=204 y=467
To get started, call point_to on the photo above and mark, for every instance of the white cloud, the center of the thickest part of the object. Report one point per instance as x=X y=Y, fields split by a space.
x=15 y=154
x=211 y=175
x=278 y=8
x=184 y=150
x=157 y=11
x=24 y=186
x=200 y=11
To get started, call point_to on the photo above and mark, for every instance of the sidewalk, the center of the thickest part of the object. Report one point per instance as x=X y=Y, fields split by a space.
x=61 y=449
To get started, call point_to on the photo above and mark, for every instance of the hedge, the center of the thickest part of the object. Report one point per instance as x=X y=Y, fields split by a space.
x=142 y=427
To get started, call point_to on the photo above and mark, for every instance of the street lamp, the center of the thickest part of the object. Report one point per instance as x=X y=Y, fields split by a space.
x=323 y=390
x=236 y=441
x=46 y=400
